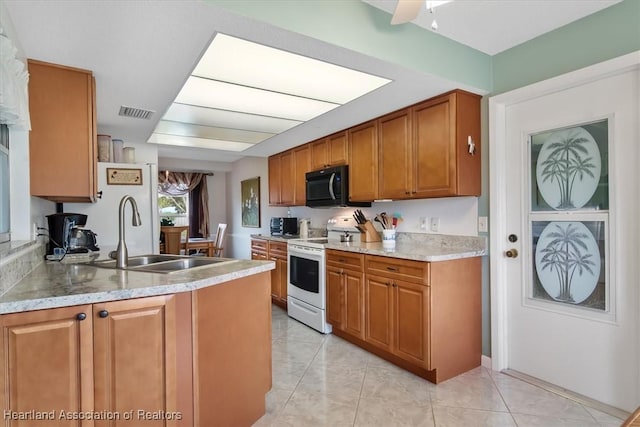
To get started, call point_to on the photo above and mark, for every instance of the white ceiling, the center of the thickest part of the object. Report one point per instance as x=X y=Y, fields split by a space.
x=142 y=52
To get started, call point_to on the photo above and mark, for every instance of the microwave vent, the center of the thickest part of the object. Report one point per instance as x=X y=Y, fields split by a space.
x=136 y=113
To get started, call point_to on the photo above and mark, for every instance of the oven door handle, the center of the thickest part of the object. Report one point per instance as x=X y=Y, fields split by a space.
x=331 y=193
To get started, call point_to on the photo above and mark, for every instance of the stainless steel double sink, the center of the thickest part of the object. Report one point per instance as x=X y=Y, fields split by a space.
x=164 y=263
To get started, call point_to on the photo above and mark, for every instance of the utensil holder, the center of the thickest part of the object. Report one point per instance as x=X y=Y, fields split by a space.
x=370 y=234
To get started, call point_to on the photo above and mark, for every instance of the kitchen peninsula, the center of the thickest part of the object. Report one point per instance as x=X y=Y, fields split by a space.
x=181 y=349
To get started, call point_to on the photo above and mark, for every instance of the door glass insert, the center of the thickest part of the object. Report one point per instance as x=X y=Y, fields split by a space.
x=569 y=168
x=569 y=263
x=569 y=217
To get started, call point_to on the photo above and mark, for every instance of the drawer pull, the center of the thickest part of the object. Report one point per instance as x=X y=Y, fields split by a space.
x=393 y=268
x=81 y=316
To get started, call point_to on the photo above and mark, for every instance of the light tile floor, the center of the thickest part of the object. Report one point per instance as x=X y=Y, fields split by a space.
x=322 y=380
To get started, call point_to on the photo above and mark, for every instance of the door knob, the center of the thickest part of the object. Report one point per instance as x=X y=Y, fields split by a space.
x=512 y=253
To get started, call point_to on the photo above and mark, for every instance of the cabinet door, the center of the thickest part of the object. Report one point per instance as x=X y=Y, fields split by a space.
x=284 y=281
x=363 y=162
x=47 y=363
x=378 y=312
x=276 y=279
x=135 y=356
x=338 y=149
x=395 y=165
x=302 y=165
x=274 y=180
x=411 y=322
x=434 y=147
x=353 y=303
x=287 y=186
x=62 y=152
x=335 y=301
x=319 y=154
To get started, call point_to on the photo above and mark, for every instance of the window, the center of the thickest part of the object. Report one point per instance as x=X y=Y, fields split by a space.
x=173 y=210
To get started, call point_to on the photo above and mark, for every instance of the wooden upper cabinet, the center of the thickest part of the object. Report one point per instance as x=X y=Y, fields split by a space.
x=287 y=186
x=329 y=151
x=424 y=149
x=445 y=130
x=62 y=142
x=394 y=169
x=274 y=179
x=302 y=165
x=363 y=162
x=285 y=172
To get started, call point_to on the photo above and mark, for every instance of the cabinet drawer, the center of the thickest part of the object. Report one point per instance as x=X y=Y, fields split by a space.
x=402 y=269
x=259 y=245
x=278 y=250
x=344 y=259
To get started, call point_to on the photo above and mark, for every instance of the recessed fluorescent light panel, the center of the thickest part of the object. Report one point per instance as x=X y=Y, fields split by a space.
x=242 y=93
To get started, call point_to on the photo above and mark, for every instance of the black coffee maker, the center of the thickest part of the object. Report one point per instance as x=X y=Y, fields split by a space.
x=67 y=234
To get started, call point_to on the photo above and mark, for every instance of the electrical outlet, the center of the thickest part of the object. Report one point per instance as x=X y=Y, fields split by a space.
x=423 y=223
x=435 y=223
x=483 y=224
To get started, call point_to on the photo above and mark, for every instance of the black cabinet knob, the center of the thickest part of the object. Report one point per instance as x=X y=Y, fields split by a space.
x=513 y=238
x=103 y=313
x=81 y=316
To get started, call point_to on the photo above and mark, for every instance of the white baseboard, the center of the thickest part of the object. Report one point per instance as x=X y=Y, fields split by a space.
x=485 y=361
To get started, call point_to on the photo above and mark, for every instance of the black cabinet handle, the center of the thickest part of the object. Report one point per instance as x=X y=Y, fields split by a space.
x=81 y=316
x=392 y=268
x=99 y=194
x=103 y=313
x=394 y=285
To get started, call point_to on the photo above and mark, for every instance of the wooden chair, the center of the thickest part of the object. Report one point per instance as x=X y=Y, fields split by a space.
x=218 y=246
x=213 y=248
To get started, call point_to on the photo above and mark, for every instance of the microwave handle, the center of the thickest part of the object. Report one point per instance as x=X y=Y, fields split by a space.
x=333 y=195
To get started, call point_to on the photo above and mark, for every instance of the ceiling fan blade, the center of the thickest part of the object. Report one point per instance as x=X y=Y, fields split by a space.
x=406 y=10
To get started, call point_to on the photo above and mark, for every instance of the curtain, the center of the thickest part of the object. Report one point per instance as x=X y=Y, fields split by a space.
x=194 y=183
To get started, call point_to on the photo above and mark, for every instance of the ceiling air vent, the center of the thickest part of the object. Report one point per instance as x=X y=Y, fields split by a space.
x=136 y=113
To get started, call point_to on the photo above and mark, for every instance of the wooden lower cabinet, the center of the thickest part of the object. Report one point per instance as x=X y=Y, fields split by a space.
x=200 y=358
x=345 y=292
x=135 y=358
x=47 y=364
x=263 y=250
x=424 y=317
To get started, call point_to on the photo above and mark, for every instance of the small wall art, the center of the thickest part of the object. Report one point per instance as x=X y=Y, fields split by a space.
x=250 y=189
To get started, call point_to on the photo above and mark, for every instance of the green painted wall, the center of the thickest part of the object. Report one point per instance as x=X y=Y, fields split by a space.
x=357 y=26
x=610 y=33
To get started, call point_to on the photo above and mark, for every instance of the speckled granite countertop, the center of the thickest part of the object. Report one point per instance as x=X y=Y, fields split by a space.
x=55 y=284
x=415 y=246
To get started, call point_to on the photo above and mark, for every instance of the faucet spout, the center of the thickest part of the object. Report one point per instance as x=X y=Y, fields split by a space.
x=122 y=256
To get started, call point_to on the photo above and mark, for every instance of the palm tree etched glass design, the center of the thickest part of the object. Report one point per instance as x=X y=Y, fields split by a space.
x=568 y=168
x=569 y=216
x=568 y=261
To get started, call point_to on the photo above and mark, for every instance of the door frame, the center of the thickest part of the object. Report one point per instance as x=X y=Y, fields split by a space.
x=497 y=184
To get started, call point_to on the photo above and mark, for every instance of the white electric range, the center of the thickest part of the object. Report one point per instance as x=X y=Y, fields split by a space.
x=306 y=281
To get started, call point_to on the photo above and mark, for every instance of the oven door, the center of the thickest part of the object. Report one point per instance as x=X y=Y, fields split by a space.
x=306 y=275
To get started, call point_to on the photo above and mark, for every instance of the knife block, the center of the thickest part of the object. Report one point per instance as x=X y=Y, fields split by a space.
x=369 y=234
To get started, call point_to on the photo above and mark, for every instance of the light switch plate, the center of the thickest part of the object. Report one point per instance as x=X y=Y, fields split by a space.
x=483 y=224
x=435 y=223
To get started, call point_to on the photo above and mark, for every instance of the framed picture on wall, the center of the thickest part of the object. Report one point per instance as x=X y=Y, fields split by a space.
x=250 y=189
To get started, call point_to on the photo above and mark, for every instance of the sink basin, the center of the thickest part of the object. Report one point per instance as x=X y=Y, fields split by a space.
x=163 y=263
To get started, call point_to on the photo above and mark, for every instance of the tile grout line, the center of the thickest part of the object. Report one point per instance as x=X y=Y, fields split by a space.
x=515 y=422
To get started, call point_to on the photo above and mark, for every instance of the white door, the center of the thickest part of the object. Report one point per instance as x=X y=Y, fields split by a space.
x=565 y=242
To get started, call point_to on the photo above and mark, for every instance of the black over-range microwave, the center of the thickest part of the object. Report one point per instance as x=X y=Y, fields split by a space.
x=329 y=187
